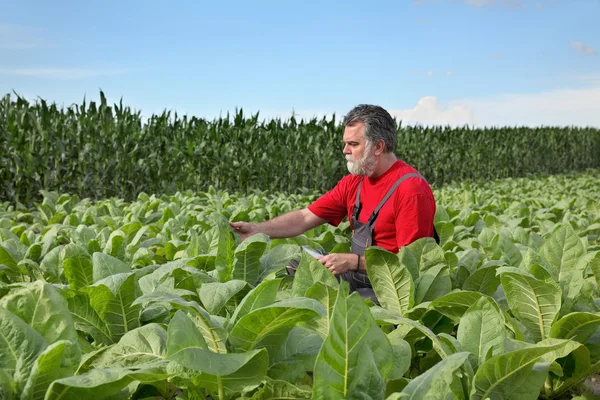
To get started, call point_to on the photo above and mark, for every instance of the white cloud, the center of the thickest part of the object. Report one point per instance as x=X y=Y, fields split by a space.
x=64 y=73
x=429 y=73
x=561 y=107
x=429 y=111
x=581 y=48
x=21 y=37
x=449 y=73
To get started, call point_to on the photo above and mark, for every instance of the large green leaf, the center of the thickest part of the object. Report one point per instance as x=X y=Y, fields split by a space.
x=223 y=247
x=426 y=253
x=215 y=295
x=356 y=356
x=326 y=296
x=164 y=278
x=435 y=382
x=277 y=258
x=51 y=265
x=261 y=296
x=143 y=347
x=113 y=299
x=572 y=280
x=578 y=326
x=20 y=345
x=481 y=329
x=100 y=383
x=455 y=304
x=562 y=250
x=515 y=375
x=106 y=265
x=87 y=320
x=381 y=315
x=9 y=256
x=214 y=333
x=246 y=264
x=504 y=249
x=45 y=310
x=297 y=355
x=535 y=303
x=483 y=280
x=433 y=283
x=46 y=369
x=268 y=326
x=310 y=271
x=77 y=266
x=391 y=280
x=183 y=334
x=402 y=355
x=218 y=372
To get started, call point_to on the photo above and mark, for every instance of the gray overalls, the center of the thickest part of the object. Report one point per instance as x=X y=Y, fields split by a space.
x=363 y=237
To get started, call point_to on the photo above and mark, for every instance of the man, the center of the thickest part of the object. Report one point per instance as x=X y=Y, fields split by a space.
x=402 y=200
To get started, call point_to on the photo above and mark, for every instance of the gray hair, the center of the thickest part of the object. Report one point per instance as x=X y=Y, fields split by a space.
x=379 y=124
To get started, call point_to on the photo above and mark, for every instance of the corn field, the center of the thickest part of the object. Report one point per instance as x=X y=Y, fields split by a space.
x=98 y=151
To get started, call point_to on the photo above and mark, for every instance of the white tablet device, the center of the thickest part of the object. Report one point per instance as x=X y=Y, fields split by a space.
x=312 y=252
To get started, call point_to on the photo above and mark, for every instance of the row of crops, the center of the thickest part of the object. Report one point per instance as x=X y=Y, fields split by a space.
x=97 y=150
x=157 y=298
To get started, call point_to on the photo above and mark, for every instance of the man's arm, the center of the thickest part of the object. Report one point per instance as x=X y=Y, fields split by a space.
x=287 y=225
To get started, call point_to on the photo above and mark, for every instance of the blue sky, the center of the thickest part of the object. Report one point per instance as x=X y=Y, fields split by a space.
x=479 y=62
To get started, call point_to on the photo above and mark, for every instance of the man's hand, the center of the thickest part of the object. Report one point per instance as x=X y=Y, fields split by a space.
x=245 y=229
x=338 y=263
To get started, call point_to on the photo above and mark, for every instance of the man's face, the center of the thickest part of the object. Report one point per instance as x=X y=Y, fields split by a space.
x=359 y=152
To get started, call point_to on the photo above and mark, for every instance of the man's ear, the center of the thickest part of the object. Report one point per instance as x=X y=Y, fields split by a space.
x=380 y=147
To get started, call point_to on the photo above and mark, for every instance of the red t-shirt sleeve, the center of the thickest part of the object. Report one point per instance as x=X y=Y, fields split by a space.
x=415 y=219
x=332 y=205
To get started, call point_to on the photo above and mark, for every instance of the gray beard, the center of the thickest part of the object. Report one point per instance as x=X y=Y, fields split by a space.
x=363 y=167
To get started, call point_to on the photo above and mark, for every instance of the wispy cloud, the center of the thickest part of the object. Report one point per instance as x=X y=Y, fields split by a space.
x=582 y=48
x=64 y=73
x=21 y=37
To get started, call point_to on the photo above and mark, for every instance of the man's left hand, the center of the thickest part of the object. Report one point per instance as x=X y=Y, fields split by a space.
x=338 y=263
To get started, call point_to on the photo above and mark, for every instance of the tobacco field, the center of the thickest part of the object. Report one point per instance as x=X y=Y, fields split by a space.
x=157 y=298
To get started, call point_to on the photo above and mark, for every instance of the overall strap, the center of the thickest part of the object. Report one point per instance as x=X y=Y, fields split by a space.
x=357 y=205
x=375 y=214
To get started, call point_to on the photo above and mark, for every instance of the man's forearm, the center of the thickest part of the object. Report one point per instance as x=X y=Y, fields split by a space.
x=284 y=226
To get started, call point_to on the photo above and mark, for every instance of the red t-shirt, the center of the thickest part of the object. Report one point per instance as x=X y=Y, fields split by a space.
x=406 y=216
